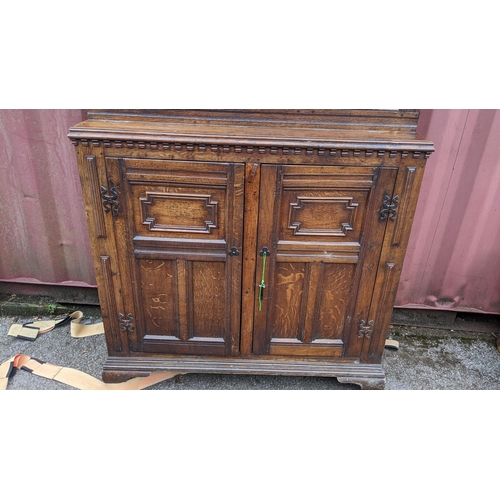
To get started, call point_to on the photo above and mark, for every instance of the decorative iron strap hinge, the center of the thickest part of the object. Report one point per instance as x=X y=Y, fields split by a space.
x=126 y=325
x=365 y=329
x=110 y=199
x=388 y=208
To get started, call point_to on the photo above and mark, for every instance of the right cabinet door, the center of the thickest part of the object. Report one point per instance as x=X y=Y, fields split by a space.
x=319 y=242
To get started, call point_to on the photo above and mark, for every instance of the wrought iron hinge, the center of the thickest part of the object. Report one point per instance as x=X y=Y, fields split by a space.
x=110 y=199
x=365 y=329
x=388 y=208
x=126 y=324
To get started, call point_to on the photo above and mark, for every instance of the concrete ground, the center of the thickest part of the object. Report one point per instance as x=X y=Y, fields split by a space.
x=427 y=359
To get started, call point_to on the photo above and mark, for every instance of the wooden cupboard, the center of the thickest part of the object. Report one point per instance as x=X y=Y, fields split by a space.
x=249 y=241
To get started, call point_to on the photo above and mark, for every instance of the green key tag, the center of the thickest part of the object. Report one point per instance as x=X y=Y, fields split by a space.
x=262 y=283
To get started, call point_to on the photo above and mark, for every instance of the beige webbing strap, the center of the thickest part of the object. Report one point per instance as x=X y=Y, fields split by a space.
x=68 y=376
x=75 y=378
x=78 y=330
x=30 y=331
x=392 y=344
x=5 y=371
x=25 y=332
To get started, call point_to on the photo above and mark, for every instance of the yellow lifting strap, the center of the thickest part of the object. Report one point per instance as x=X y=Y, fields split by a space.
x=30 y=331
x=72 y=377
x=69 y=376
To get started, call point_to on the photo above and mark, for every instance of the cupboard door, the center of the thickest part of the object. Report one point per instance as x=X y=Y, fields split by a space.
x=319 y=241
x=181 y=246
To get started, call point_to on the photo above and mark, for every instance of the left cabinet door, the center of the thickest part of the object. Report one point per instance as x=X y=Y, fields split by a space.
x=178 y=230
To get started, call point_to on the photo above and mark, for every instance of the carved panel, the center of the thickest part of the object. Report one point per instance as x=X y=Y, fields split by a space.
x=158 y=296
x=179 y=212
x=210 y=308
x=288 y=290
x=322 y=216
x=99 y=224
x=310 y=301
x=186 y=304
x=333 y=300
x=278 y=149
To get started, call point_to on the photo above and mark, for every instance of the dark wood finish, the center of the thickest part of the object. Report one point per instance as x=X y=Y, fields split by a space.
x=183 y=220
x=372 y=120
x=318 y=222
x=118 y=369
x=181 y=203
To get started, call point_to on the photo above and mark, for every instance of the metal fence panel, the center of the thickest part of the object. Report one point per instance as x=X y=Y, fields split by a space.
x=453 y=259
x=452 y=263
x=43 y=231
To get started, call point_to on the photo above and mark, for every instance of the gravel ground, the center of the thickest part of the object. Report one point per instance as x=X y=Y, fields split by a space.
x=427 y=359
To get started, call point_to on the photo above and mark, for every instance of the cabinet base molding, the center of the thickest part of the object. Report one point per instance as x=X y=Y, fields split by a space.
x=367 y=376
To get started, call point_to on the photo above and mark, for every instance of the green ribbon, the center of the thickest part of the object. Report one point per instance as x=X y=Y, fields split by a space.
x=262 y=283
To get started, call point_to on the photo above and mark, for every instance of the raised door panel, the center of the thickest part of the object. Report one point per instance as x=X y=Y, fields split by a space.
x=319 y=232
x=182 y=239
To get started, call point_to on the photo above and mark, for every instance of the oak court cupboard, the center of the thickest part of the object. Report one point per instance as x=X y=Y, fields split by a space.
x=249 y=241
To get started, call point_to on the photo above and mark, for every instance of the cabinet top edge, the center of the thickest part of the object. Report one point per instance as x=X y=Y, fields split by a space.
x=344 y=119
x=249 y=134
x=329 y=118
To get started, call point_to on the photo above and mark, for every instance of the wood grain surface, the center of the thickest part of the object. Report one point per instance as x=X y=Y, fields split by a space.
x=195 y=198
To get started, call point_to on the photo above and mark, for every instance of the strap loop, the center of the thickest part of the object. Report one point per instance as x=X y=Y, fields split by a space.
x=68 y=376
x=31 y=330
